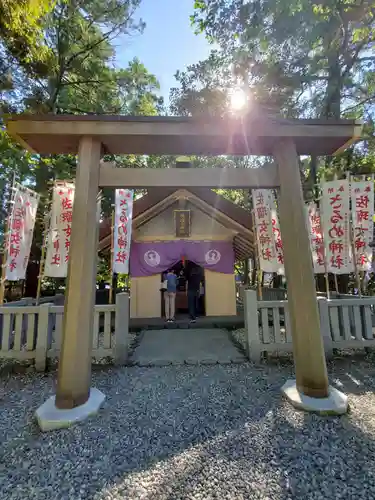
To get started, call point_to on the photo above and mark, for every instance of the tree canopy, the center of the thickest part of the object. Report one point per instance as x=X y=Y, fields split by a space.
x=59 y=58
x=319 y=53
x=21 y=34
x=299 y=58
x=294 y=57
x=303 y=59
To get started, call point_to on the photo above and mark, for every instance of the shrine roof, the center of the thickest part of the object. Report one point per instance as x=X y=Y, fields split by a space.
x=253 y=134
x=156 y=200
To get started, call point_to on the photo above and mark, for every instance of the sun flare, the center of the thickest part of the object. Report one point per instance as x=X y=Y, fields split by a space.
x=238 y=100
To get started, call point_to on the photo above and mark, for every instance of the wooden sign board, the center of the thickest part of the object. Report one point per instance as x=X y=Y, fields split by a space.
x=182 y=223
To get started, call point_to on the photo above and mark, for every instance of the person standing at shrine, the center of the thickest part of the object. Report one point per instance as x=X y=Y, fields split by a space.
x=193 y=287
x=170 y=296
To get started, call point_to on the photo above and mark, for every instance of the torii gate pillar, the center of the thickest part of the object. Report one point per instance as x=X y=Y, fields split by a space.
x=310 y=391
x=75 y=400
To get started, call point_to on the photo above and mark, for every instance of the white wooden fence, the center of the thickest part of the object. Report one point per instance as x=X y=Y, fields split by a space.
x=35 y=332
x=344 y=323
x=267 y=293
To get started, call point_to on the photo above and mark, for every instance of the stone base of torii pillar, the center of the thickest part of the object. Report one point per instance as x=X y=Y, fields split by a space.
x=51 y=418
x=335 y=404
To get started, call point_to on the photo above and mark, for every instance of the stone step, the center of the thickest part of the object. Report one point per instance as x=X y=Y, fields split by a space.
x=193 y=346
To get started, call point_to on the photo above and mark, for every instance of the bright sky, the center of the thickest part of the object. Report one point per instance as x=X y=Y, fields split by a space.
x=168 y=42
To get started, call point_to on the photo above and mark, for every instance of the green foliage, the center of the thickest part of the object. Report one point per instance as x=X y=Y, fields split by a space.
x=308 y=59
x=319 y=55
x=203 y=88
x=80 y=78
x=304 y=59
x=75 y=38
x=21 y=33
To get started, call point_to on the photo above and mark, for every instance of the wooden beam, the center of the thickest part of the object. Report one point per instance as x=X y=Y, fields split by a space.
x=246 y=245
x=179 y=126
x=231 y=178
x=246 y=254
x=254 y=134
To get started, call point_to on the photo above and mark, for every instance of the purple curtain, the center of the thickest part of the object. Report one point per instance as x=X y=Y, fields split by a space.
x=147 y=259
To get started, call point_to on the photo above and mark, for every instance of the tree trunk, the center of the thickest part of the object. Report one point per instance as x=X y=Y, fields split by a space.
x=246 y=271
x=314 y=176
x=277 y=280
x=254 y=273
x=41 y=186
x=31 y=282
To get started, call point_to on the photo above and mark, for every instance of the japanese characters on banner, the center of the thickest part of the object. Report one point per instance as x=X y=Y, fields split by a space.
x=314 y=225
x=20 y=233
x=122 y=230
x=277 y=235
x=262 y=202
x=362 y=197
x=336 y=230
x=58 y=244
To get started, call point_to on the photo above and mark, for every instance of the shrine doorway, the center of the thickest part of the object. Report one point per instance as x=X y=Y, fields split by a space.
x=182 y=270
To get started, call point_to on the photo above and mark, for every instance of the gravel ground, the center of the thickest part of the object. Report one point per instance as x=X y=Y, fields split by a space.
x=192 y=432
x=239 y=336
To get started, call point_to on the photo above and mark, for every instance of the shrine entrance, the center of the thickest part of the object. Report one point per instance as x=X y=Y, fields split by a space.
x=217 y=233
x=182 y=270
x=256 y=134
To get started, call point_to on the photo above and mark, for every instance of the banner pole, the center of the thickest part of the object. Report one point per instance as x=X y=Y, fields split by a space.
x=47 y=220
x=41 y=267
x=257 y=260
x=110 y=297
x=327 y=285
x=352 y=242
x=336 y=283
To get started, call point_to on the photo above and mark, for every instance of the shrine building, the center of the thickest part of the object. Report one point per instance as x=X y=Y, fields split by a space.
x=179 y=228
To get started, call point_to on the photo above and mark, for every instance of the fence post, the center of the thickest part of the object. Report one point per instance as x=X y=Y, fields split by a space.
x=325 y=326
x=254 y=351
x=121 y=328
x=42 y=338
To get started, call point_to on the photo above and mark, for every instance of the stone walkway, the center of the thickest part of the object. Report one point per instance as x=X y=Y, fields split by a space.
x=190 y=346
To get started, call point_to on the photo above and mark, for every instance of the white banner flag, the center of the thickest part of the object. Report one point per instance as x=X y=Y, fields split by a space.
x=362 y=196
x=277 y=236
x=56 y=265
x=262 y=201
x=336 y=234
x=314 y=226
x=123 y=230
x=20 y=234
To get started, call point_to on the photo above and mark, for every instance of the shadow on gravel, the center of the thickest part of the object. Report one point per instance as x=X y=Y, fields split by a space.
x=220 y=432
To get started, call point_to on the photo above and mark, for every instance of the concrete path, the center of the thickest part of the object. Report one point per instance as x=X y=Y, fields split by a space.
x=190 y=346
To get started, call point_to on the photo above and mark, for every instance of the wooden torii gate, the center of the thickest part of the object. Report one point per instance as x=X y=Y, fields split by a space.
x=256 y=134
